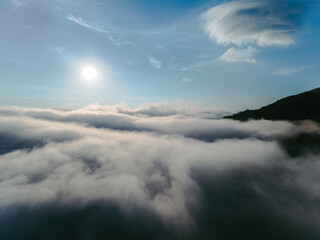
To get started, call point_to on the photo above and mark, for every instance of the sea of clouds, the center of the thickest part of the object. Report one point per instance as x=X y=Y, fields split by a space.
x=160 y=171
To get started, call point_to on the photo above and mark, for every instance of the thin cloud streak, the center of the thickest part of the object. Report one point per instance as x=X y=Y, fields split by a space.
x=239 y=55
x=106 y=32
x=85 y=24
x=292 y=70
x=17 y=3
x=155 y=62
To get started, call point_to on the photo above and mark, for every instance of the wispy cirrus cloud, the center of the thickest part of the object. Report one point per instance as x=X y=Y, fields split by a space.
x=99 y=29
x=239 y=55
x=24 y=26
x=86 y=24
x=186 y=80
x=155 y=62
x=17 y=3
x=292 y=70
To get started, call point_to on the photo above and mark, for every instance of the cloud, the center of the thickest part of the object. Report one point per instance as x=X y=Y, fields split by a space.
x=17 y=3
x=292 y=70
x=186 y=80
x=24 y=26
x=86 y=24
x=114 y=41
x=239 y=55
x=144 y=173
x=79 y=163
x=261 y=22
x=155 y=62
x=160 y=47
x=189 y=121
x=106 y=32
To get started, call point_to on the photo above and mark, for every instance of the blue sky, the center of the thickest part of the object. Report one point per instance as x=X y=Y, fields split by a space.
x=235 y=54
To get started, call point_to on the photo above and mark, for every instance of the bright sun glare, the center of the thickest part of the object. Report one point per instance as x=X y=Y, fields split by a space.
x=89 y=73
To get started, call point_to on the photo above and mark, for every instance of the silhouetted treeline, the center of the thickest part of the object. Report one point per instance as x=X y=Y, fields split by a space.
x=297 y=107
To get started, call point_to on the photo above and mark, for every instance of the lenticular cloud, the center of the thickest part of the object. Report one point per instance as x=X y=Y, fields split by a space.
x=259 y=22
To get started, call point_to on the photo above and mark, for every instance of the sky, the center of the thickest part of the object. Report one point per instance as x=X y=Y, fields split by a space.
x=111 y=120
x=231 y=54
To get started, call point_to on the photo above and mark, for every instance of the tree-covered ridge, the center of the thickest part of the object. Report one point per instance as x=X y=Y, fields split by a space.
x=296 y=107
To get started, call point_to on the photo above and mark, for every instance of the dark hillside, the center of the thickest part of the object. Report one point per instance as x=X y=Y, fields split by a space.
x=297 y=107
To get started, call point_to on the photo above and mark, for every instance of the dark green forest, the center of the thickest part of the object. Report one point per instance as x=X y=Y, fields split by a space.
x=297 y=107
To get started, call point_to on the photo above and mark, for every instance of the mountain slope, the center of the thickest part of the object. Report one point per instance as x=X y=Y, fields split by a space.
x=297 y=107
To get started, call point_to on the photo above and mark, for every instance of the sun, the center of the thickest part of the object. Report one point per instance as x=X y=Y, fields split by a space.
x=89 y=73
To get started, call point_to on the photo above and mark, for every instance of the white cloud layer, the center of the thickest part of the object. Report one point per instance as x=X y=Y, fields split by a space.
x=260 y=22
x=74 y=162
x=156 y=158
x=239 y=55
x=184 y=119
